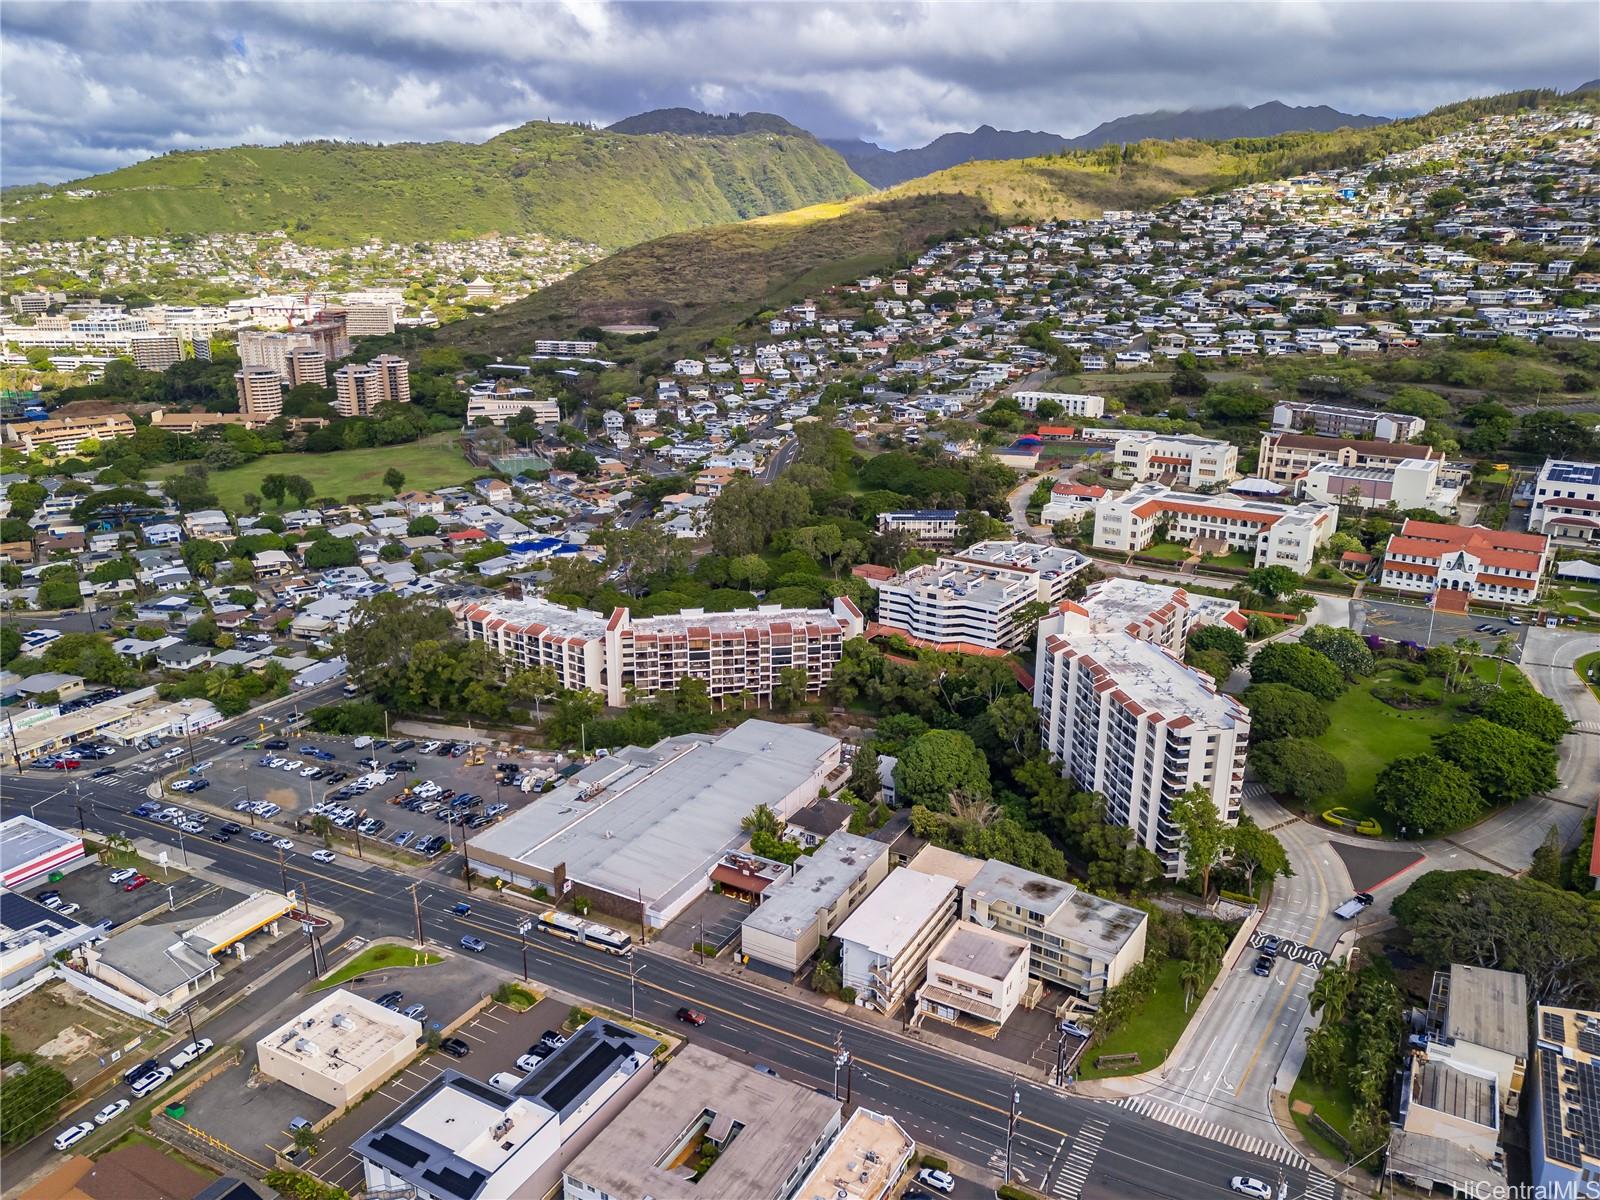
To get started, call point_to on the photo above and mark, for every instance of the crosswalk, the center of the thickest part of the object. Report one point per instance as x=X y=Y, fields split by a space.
x=1075 y=1167
x=1320 y=1187
x=1195 y=1124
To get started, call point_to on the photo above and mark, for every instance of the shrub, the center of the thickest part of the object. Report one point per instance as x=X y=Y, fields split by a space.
x=1398 y=696
x=934 y=1163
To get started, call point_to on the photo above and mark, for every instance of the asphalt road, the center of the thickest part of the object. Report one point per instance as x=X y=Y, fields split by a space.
x=959 y=1107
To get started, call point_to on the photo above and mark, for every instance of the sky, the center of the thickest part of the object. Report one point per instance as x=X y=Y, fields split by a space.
x=88 y=87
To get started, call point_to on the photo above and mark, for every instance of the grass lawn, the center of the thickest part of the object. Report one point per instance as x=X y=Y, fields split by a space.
x=1170 y=551
x=1233 y=558
x=1589 y=662
x=1335 y=1104
x=1151 y=1032
x=1577 y=600
x=434 y=463
x=378 y=958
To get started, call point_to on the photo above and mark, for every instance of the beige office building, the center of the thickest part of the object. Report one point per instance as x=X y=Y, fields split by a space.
x=339 y=1049
x=260 y=393
x=155 y=351
x=369 y=320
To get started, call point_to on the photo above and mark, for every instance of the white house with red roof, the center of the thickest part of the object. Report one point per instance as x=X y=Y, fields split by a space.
x=1483 y=564
x=1071 y=501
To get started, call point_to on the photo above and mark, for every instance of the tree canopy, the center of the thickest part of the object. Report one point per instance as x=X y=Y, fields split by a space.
x=937 y=764
x=1506 y=765
x=1298 y=666
x=1424 y=792
x=1281 y=710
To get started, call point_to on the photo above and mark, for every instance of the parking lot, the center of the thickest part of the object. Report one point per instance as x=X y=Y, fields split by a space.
x=99 y=899
x=244 y=775
x=1415 y=623
x=496 y=1037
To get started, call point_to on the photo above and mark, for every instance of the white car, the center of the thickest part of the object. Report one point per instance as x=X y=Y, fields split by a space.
x=268 y=809
x=275 y=762
x=940 y=1181
x=144 y=1086
x=181 y=785
x=66 y=910
x=284 y=844
x=309 y=772
x=192 y=827
x=244 y=806
x=323 y=856
x=1245 y=1185
x=73 y=1134
x=175 y=752
x=122 y=875
x=111 y=1112
x=200 y=767
x=51 y=902
x=291 y=764
x=189 y=1053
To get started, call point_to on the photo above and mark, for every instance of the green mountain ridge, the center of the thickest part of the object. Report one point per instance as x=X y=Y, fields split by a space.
x=566 y=181
x=697 y=285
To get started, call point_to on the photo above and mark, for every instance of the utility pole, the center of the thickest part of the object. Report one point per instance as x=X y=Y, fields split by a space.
x=189 y=1012
x=841 y=1058
x=700 y=940
x=522 y=936
x=305 y=899
x=634 y=967
x=1011 y=1125
x=283 y=872
x=184 y=850
x=466 y=860
x=416 y=910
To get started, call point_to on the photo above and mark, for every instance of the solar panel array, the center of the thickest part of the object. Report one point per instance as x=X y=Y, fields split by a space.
x=1558 y=1146
x=1553 y=1025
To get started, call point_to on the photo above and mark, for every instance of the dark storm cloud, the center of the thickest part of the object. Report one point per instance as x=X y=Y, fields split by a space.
x=89 y=87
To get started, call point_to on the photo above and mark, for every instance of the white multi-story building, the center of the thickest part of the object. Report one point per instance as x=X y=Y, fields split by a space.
x=1275 y=534
x=1413 y=483
x=974 y=598
x=1072 y=404
x=155 y=351
x=260 y=392
x=501 y=406
x=887 y=940
x=938 y=526
x=264 y=348
x=1181 y=458
x=568 y=347
x=1333 y=420
x=1129 y=720
x=1566 y=501
x=1482 y=564
x=733 y=652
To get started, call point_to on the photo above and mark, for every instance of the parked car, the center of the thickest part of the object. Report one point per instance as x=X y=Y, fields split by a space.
x=73 y=1134
x=152 y=1081
x=189 y=1053
x=121 y=875
x=139 y=1071
x=137 y=882
x=455 y=1047
x=939 y=1181
x=390 y=999
x=275 y=744
x=416 y=1012
x=111 y=1112
x=691 y=1016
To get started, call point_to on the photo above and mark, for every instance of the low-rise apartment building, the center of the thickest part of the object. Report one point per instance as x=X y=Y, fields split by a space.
x=887 y=940
x=974 y=598
x=1337 y=421
x=63 y=435
x=1274 y=534
x=1129 y=720
x=1286 y=457
x=1072 y=404
x=1177 y=458
x=1484 y=564
x=800 y=911
x=733 y=652
x=975 y=976
x=1566 y=501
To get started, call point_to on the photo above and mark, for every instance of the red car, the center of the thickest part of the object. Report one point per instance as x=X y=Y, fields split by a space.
x=66 y=764
x=138 y=881
x=691 y=1016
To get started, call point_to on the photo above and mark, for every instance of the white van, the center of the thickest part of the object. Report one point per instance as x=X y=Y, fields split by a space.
x=504 y=1080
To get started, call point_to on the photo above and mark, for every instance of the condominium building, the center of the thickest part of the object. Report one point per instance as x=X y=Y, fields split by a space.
x=1181 y=458
x=63 y=435
x=1075 y=939
x=306 y=364
x=800 y=911
x=260 y=392
x=887 y=940
x=974 y=598
x=1273 y=534
x=328 y=332
x=1153 y=611
x=1286 y=457
x=931 y=526
x=1482 y=564
x=1336 y=421
x=735 y=653
x=369 y=320
x=1129 y=720
x=264 y=348
x=1566 y=501
x=974 y=976
x=570 y=346
x=359 y=388
x=1072 y=404
x=155 y=351
x=1411 y=484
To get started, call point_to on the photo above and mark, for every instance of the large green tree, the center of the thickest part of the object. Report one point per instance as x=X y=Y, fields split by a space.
x=1298 y=666
x=1229 y=642
x=1507 y=765
x=1281 y=710
x=1297 y=767
x=1525 y=710
x=1424 y=792
x=1205 y=837
x=1345 y=648
x=938 y=763
x=29 y=1100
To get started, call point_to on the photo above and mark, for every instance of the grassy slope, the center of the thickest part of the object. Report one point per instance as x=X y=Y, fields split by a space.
x=562 y=180
x=697 y=284
x=425 y=465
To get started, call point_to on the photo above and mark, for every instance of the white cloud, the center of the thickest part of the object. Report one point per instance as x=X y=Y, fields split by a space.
x=88 y=86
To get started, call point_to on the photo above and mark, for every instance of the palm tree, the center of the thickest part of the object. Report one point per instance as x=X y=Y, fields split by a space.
x=322 y=827
x=762 y=820
x=1503 y=646
x=1466 y=650
x=972 y=810
x=1191 y=976
x=1208 y=944
x=1331 y=992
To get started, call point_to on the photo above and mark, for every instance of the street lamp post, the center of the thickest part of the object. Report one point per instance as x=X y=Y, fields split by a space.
x=634 y=967
x=1011 y=1124
x=522 y=936
x=841 y=1059
x=184 y=850
x=283 y=872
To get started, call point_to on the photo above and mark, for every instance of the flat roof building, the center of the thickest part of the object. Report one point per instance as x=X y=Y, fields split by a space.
x=1273 y=534
x=339 y=1049
x=888 y=938
x=707 y=1126
x=975 y=977
x=800 y=911
x=863 y=1163
x=460 y=1139
x=1334 y=420
x=30 y=849
x=646 y=827
x=1564 y=1125
x=1566 y=501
